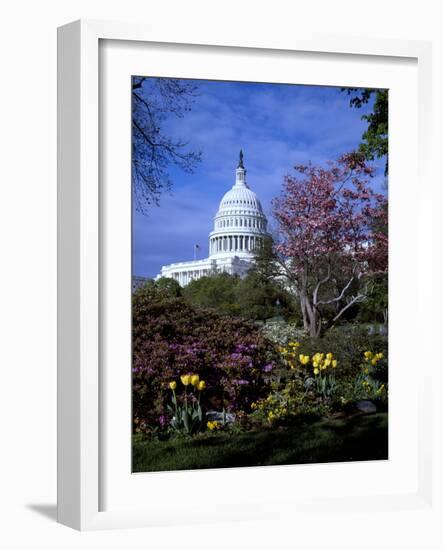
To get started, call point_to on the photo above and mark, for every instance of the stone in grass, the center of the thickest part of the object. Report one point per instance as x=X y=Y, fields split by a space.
x=366 y=407
x=229 y=418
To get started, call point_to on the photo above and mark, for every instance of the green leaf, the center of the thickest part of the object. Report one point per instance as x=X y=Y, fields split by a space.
x=186 y=421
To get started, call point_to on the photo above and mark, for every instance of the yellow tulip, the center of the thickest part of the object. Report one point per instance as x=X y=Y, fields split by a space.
x=201 y=385
x=195 y=379
x=329 y=356
x=368 y=355
x=185 y=378
x=334 y=363
x=173 y=385
x=316 y=371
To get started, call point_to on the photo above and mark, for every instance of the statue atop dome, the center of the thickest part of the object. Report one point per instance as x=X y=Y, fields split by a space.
x=240 y=160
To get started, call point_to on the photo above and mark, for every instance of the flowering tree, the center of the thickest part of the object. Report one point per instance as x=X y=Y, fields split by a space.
x=332 y=237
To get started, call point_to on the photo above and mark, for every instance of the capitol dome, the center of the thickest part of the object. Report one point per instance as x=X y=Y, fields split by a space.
x=240 y=227
x=240 y=224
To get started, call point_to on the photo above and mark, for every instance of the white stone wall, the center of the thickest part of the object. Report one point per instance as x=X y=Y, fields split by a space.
x=185 y=272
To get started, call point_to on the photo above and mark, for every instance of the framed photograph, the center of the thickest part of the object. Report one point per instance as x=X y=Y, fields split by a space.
x=239 y=226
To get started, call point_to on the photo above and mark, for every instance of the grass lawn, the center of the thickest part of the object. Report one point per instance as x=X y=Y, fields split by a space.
x=333 y=440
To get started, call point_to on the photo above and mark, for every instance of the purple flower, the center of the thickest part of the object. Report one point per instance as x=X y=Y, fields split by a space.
x=240 y=382
x=268 y=368
x=162 y=420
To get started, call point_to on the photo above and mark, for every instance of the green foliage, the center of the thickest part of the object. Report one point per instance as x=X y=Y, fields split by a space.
x=325 y=385
x=169 y=286
x=253 y=297
x=375 y=138
x=375 y=307
x=216 y=292
x=317 y=376
x=187 y=416
x=261 y=299
x=347 y=343
x=281 y=333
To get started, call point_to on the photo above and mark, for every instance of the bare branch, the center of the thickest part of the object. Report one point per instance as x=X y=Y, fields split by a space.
x=342 y=293
x=320 y=283
x=354 y=300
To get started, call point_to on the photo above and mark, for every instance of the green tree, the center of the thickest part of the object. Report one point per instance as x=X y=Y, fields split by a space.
x=217 y=292
x=375 y=138
x=169 y=286
x=259 y=298
x=375 y=309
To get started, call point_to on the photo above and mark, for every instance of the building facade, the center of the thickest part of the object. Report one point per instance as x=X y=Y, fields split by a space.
x=240 y=226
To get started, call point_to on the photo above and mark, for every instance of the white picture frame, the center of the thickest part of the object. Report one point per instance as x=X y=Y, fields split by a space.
x=80 y=413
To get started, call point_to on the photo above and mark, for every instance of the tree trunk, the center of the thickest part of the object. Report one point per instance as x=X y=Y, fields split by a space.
x=311 y=317
x=304 y=312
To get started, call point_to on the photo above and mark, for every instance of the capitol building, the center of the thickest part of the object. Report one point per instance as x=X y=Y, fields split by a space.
x=240 y=227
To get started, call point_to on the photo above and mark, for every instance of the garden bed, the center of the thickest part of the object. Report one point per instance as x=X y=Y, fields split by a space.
x=353 y=438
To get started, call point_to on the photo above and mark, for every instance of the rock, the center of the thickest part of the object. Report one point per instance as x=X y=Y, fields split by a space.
x=229 y=418
x=366 y=407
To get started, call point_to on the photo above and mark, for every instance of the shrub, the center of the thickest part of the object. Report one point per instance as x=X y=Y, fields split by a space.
x=311 y=382
x=172 y=338
x=281 y=333
x=251 y=297
x=216 y=291
x=169 y=286
x=348 y=345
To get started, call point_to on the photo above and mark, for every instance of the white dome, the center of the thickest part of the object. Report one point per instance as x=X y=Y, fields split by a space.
x=240 y=224
x=240 y=197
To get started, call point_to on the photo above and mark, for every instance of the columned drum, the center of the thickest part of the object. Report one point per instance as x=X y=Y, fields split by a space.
x=240 y=223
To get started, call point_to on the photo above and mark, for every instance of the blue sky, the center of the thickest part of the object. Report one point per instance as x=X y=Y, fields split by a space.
x=277 y=126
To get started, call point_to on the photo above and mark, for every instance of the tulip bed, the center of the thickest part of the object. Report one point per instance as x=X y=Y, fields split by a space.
x=213 y=391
